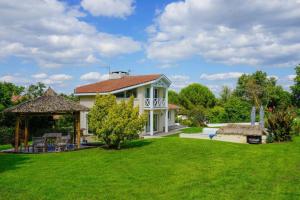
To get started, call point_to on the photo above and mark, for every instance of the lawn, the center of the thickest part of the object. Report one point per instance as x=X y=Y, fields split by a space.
x=5 y=147
x=167 y=168
x=192 y=130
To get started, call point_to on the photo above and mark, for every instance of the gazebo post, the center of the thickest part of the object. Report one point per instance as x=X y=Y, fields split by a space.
x=26 y=133
x=17 y=133
x=78 y=130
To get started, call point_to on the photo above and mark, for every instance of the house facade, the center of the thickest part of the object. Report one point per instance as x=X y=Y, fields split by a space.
x=150 y=95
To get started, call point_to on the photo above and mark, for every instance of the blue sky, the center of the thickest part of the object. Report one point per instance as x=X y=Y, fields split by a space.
x=69 y=43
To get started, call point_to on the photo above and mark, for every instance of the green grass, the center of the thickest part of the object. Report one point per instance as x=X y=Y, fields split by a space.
x=192 y=130
x=5 y=147
x=167 y=168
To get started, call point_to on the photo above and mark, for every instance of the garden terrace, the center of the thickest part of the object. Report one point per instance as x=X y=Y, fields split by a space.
x=49 y=104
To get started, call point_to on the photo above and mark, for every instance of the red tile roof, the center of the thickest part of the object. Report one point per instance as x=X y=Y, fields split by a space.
x=116 y=84
x=172 y=107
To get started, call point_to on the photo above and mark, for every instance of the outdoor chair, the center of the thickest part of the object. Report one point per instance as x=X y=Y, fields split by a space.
x=63 y=143
x=38 y=143
x=52 y=139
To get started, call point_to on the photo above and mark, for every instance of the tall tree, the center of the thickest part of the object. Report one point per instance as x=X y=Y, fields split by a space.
x=225 y=94
x=173 y=97
x=197 y=95
x=35 y=90
x=296 y=87
x=7 y=90
x=255 y=88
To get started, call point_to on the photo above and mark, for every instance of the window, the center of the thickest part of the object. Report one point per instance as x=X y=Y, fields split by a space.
x=130 y=93
x=147 y=95
x=120 y=95
x=169 y=115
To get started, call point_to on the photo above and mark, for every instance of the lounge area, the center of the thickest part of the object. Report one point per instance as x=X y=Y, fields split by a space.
x=48 y=105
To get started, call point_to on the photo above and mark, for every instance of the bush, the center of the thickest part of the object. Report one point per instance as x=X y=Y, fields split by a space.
x=217 y=115
x=280 y=125
x=114 y=122
x=296 y=126
x=6 y=135
x=185 y=122
x=197 y=115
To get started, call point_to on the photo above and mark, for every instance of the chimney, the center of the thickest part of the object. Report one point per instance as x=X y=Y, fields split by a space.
x=118 y=74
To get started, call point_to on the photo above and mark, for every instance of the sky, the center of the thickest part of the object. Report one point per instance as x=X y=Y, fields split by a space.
x=67 y=43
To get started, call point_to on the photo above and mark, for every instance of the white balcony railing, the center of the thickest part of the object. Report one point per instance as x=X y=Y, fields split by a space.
x=157 y=103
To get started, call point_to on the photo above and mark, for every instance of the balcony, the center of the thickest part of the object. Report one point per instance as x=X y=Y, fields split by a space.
x=157 y=103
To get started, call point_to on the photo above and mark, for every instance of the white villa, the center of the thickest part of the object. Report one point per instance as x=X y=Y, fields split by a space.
x=150 y=92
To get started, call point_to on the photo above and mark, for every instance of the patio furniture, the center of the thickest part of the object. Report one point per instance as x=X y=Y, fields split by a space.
x=52 y=140
x=63 y=143
x=38 y=143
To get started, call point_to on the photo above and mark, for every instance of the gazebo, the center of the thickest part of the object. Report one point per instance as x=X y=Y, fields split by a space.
x=49 y=104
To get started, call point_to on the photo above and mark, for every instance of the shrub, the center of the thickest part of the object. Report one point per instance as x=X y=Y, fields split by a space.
x=280 y=125
x=197 y=115
x=217 y=115
x=6 y=135
x=113 y=122
x=296 y=126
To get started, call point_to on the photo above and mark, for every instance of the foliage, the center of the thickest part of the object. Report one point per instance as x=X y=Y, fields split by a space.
x=296 y=126
x=225 y=94
x=280 y=125
x=255 y=88
x=35 y=90
x=196 y=95
x=217 y=114
x=7 y=90
x=185 y=122
x=197 y=115
x=100 y=110
x=279 y=98
x=192 y=130
x=296 y=87
x=114 y=122
x=6 y=135
x=173 y=97
x=237 y=110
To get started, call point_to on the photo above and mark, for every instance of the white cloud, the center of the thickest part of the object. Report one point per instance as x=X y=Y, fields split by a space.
x=52 y=34
x=179 y=81
x=260 y=33
x=15 y=78
x=93 y=76
x=52 y=79
x=109 y=8
x=291 y=77
x=221 y=76
x=8 y=78
x=39 y=76
x=273 y=76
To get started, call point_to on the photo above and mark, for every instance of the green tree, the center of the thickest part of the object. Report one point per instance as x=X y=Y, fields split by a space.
x=196 y=95
x=255 y=87
x=7 y=90
x=113 y=122
x=225 y=94
x=237 y=110
x=35 y=90
x=296 y=87
x=217 y=114
x=173 y=97
x=100 y=110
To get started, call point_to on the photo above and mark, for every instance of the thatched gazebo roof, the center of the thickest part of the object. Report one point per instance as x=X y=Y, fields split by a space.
x=50 y=103
x=237 y=129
